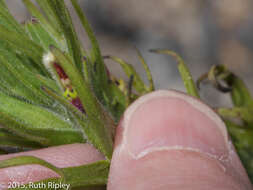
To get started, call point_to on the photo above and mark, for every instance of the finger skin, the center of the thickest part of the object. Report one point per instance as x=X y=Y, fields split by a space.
x=60 y=156
x=168 y=140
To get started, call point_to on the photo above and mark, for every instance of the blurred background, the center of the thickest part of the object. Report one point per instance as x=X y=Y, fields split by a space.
x=203 y=32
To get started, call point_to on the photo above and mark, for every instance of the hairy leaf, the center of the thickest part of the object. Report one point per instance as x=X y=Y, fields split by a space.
x=184 y=72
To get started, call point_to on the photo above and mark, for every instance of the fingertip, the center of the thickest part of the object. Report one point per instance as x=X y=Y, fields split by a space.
x=169 y=121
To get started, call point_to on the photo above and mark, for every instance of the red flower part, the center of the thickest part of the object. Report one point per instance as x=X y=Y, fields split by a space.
x=60 y=71
x=78 y=104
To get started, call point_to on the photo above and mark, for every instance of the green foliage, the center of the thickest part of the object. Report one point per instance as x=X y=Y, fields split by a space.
x=24 y=160
x=9 y=139
x=183 y=70
x=36 y=123
x=130 y=71
x=43 y=58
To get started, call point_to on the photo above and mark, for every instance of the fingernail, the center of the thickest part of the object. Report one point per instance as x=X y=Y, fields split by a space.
x=166 y=120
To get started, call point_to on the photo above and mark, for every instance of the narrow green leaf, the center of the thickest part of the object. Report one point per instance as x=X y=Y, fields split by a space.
x=240 y=94
x=243 y=141
x=23 y=45
x=23 y=76
x=49 y=14
x=28 y=160
x=118 y=103
x=87 y=175
x=67 y=27
x=37 y=123
x=184 y=72
x=115 y=101
x=237 y=112
x=10 y=140
x=26 y=61
x=98 y=75
x=3 y=4
x=45 y=24
x=148 y=72
x=13 y=126
x=87 y=70
x=129 y=70
x=103 y=93
x=8 y=21
x=39 y=35
x=11 y=86
x=96 y=54
x=44 y=81
x=99 y=130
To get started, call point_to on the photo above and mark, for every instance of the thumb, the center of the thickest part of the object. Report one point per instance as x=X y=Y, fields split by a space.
x=168 y=140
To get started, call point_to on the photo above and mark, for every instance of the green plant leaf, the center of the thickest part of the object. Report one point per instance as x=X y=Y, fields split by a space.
x=44 y=5
x=118 y=102
x=184 y=72
x=27 y=160
x=23 y=76
x=237 y=112
x=11 y=140
x=240 y=94
x=39 y=35
x=44 y=81
x=8 y=21
x=96 y=56
x=87 y=175
x=23 y=45
x=64 y=20
x=51 y=28
x=243 y=141
x=37 y=123
x=11 y=86
x=130 y=71
x=148 y=72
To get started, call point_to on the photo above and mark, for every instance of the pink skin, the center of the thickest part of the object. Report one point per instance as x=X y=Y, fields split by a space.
x=165 y=140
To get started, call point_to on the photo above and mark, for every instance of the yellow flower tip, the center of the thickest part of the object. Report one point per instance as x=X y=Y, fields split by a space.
x=70 y=94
